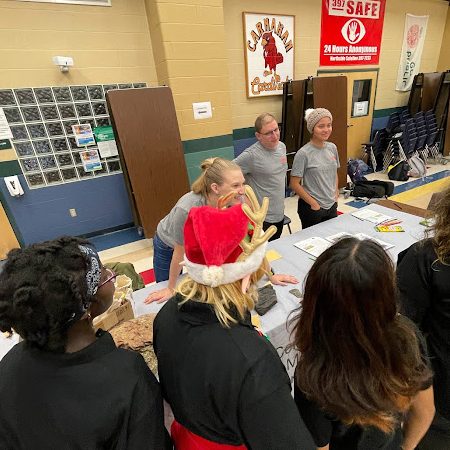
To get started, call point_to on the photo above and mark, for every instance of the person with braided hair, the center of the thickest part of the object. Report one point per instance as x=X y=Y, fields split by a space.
x=67 y=386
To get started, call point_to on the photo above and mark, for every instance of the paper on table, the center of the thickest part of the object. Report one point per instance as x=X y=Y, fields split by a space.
x=336 y=237
x=256 y=322
x=385 y=245
x=272 y=255
x=315 y=246
x=371 y=216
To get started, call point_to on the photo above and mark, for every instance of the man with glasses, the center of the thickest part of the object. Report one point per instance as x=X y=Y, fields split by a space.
x=264 y=167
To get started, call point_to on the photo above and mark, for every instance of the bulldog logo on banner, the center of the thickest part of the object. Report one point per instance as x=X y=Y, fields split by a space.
x=269 y=53
x=351 y=32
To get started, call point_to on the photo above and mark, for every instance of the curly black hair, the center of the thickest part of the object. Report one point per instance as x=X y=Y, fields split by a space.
x=41 y=287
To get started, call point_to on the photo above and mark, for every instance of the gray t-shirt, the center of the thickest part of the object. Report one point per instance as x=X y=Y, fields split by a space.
x=170 y=229
x=317 y=167
x=265 y=172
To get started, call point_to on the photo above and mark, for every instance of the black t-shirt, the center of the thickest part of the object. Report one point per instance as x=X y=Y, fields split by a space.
x=424 y=285
x=101 y=397
x=327 y=429
x=227 y=385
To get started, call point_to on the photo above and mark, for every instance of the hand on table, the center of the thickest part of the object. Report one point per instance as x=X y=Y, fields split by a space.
x=159 y=296
x=282 y=279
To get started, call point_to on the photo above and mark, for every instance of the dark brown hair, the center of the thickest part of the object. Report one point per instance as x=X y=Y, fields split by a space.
x=359 y=359
x=441 y=228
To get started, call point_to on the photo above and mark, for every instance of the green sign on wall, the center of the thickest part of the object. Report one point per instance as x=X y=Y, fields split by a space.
x=5 y=144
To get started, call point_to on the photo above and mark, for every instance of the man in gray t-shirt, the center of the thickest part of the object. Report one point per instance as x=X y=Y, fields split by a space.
x=264 y=167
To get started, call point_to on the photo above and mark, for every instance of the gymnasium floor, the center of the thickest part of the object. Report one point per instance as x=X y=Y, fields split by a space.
x=128 y=246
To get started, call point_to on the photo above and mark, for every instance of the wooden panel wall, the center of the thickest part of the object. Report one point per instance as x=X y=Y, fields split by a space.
x=331 y=93
x=430 y=89
x=148 y=138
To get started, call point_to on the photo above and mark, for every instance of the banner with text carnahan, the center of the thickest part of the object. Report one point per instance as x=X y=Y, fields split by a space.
x=413 y=39
x=269 y=52
x=351 y=32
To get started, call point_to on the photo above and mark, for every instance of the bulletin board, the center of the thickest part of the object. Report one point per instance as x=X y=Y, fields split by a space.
x=41 y=121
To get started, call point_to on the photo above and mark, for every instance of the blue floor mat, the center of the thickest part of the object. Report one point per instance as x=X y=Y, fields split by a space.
x=111 y=240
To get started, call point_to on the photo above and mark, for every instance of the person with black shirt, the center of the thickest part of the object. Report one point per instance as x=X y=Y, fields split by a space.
x=362 y=367
x=227 y=387
x=65 y=386
x=423 y=274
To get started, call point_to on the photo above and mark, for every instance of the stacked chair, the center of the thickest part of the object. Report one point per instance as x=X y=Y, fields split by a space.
x=432 y=143
x=419 y=137
x=404 y=137
x=375 y=148
x=422 y=135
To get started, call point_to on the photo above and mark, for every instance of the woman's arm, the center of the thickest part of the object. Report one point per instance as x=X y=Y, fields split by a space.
x=295 y=185
x=279 y=278
x=418 y=419
x=162 y=295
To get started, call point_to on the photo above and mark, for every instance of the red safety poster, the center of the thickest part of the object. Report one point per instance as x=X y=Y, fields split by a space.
x=351 y=32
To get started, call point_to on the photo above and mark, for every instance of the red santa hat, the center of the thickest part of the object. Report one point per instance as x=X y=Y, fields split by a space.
x=214 y=241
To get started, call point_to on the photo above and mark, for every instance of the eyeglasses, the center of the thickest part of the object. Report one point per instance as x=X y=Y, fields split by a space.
x=276 y=131
x=111 y=277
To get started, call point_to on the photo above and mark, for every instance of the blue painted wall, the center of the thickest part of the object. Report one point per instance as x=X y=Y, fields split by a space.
x=42 y=214
x=241 y=144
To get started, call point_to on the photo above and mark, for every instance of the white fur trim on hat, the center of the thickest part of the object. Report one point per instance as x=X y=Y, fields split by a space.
x=227 y=273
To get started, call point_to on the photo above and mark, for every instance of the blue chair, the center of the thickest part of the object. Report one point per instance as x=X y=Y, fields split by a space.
x=287 y=221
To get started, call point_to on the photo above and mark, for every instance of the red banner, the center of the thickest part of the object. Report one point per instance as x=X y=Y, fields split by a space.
x=351 y=32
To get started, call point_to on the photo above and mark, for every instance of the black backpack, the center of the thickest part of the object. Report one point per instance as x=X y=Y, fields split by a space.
x=399 y=171
x=373 y=189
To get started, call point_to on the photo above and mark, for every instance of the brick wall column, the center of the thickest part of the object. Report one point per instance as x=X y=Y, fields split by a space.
x=190 y=52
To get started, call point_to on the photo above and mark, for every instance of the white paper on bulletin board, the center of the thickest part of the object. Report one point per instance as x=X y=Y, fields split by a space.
x=107 y=148
x=5 y=131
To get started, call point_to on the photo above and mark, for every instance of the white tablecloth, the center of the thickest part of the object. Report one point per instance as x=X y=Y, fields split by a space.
x=297 y=262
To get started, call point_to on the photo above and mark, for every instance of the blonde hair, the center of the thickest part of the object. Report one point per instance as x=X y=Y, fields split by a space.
x=262 y=120
x=213 y=170
x=224 y=298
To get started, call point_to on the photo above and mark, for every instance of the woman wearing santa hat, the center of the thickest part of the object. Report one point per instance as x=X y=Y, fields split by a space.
x=227 y=387
x=314 y=171
x=219 y=177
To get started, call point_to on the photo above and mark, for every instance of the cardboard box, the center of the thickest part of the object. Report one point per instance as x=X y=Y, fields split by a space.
x=120 y=314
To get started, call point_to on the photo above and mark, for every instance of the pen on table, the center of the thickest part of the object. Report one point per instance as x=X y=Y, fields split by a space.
x=398 y=206
x=359 y=218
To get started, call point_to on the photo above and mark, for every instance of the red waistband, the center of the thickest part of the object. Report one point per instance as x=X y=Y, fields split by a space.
x=186 y=440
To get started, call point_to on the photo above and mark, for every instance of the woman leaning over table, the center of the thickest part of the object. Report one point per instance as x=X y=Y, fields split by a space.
x=314 y=171
x=219 y=177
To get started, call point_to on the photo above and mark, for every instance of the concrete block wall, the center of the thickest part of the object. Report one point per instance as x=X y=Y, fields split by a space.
x=108 y=44
x=190 y=56
x=307 y=34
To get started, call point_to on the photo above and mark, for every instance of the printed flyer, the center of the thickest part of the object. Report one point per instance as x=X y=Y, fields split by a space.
x=351 y=32
x=90 y=160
